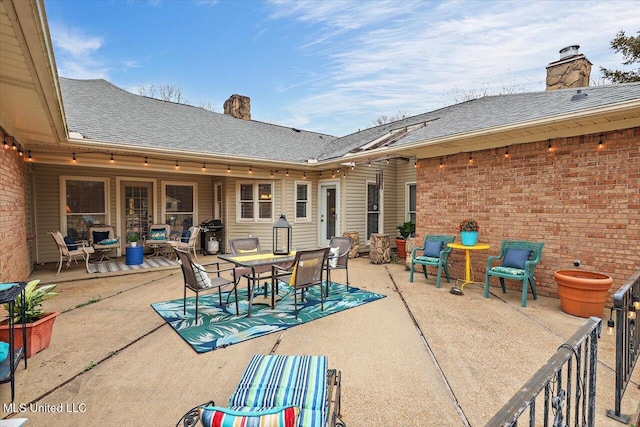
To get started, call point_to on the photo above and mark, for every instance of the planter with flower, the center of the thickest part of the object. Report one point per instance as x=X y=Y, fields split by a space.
x=406 y=229
x=133 y=238
x=39 y=325
x=469 y=231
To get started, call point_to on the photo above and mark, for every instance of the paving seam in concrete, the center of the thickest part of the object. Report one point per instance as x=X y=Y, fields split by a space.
x=452 y=395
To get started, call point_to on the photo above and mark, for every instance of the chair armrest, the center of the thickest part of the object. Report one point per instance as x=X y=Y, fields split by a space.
x=192 y=417
x=413 y=252
x=491 y=259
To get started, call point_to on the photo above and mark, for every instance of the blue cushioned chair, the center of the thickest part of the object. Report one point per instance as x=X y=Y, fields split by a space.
x=519 y=260
x=433 y=254
x=277 y=381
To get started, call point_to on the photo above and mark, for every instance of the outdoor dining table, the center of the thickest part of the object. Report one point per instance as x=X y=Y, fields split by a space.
x=251 y=261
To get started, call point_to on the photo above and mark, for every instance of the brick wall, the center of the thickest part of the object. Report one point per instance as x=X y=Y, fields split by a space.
x=14 y=252
x=582 y=201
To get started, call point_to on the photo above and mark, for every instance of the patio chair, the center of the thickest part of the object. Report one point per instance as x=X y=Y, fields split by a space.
x=434 y=253
x=103 y=239
x=338 y=258
x=158 y=239
x=245 y=245
x=307 y=270
x=519 y=260
x=71 y=252
x=295 y=390
x=187 y=242
x=198 y=279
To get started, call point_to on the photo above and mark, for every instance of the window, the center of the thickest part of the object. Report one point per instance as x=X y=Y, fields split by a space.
x=85 y=204
x=373 y=209
x=255 y=202
x=303 y=202
x=179 y=207
x=410 y=202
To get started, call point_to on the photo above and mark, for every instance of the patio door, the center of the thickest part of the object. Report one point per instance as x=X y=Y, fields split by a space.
x=328 y=210
x=137 y=209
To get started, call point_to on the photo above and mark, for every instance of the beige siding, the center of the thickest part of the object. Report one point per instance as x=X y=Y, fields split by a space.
x=48 y=205
x=304 y=234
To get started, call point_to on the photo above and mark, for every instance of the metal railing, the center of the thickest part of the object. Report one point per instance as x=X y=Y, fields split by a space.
x=626 y=301
x=569 y=396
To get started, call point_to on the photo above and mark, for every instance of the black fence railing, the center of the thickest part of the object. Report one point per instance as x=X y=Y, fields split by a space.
x=626 y=304
x=565 y=387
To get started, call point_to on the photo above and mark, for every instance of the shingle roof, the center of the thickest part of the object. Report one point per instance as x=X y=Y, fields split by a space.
x=103 y=112
x=489 y=112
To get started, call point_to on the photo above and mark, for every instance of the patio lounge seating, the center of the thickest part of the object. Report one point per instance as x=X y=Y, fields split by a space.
x=71 y=252
x=434 y=253
x=279 y=387
x=519 y=260
x=198 y=279
x=307 y=270
x=103 y=239
x=188 y=243
x=158 y=239
x=338 y=257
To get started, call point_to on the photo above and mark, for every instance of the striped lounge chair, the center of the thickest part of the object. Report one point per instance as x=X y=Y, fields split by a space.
x=291 y=391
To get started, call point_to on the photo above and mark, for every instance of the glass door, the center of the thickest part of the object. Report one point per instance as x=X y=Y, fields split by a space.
x=137 y=212
x=328 y=212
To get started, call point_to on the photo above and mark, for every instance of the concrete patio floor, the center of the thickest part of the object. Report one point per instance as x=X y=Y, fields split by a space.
x=419 y=357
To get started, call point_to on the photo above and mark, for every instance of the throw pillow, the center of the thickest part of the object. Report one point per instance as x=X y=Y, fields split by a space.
x=333 y=257
x=213 y=416
x=515 y=258
x=186 y=235
x=203 y=281
x=108 y=242
x=71 y=245
x=4 y=350
x=99 y=236
x=247 y=251
x=158 y=235
x=432 y=248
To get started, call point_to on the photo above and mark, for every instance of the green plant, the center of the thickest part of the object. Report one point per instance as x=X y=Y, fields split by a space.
x=33 y=297
x=133 y=237
x=469 y=224
x=406 y=229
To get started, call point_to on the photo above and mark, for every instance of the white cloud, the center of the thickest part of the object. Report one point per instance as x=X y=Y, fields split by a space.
x=76 y=53
x=384 y=57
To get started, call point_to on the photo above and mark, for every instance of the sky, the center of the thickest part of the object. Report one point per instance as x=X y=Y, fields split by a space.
x=332 y=66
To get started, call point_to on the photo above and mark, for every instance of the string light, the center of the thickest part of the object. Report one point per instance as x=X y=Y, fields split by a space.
x=20 y=152
x=441 y=164
x=30 y=158
x=287 y=172
x=146 y=161
x=204 y=166
x=14 y=146
x=112 y=158
x=550 y=147
x=506 y=153
x=271 y=173
x=5 y=143
x=250 y=169
x=470 y=158
x=228 y=169
x=304 y=175
x=600 y=144
x=415 y=163
x=177 y=165
x=369 y=163
x=74 y=158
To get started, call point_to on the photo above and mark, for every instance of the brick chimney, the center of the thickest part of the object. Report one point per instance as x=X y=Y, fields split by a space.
x=573 y=69
x=238 y=106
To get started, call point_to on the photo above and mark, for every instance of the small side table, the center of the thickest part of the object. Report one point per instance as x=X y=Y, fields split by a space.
x=468 y=277
x=134 y=255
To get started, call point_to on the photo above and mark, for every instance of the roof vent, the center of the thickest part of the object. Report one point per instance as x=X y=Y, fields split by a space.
x=569 y=51
x=579 y=95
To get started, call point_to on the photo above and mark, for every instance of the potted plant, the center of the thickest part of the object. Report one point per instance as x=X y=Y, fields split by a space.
x=133 y=238
x=406 y=229
x=469 y=228
x=39 y=325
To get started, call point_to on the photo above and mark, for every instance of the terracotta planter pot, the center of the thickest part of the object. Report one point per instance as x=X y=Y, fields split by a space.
x=582 y=293
x=401 y=246
x=38 y=333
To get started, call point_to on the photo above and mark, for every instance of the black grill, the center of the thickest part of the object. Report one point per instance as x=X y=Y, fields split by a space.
x=212 y=227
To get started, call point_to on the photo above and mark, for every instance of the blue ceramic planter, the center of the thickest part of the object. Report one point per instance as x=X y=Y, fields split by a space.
x=469 y=238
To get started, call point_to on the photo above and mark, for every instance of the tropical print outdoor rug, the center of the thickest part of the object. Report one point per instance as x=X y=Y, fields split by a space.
x=220 y=326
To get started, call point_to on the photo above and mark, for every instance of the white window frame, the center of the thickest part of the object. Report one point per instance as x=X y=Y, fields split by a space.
x=407 y=203
x=193 y=185
x=63 y=199
x=307 y=215
x=256 y=202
